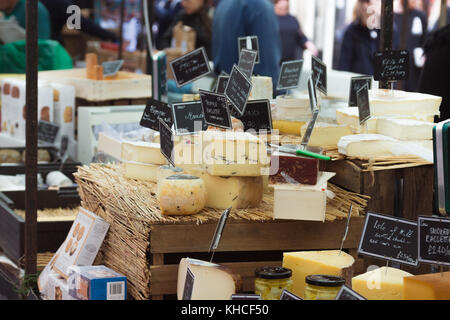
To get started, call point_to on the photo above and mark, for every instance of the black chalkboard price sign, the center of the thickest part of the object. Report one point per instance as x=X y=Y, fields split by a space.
x=47 y=131
x=345 y=293
x=249 y=43
x=188 y=117
x=362 y=96
x=222 y=83
x=286 y=295
x=166 y=141
x=434 y=240
x=290 y=74
x=153 y=111
x=391 y=65
x=389 y=238
x=247 y=61
x=188 y=285
x=238 y=89
x=319 y=74
x=215 y=109
x=190 y=67
x=357 y=83
x=257 y=116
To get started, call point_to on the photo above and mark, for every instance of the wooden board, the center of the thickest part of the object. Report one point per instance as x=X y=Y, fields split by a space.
x=126 y=85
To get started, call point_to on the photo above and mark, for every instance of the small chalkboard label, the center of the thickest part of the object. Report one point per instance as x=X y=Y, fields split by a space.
x=389 y=238
x=391 y=65
x=188 y=117
x=166 y=141
x=222 y=82
x=362 y=96
x=238 y=89
x=357 y=83
x=47 y=131
x=190 y=67
x=345 y=293
x=319 y=73
x=257 y=116
x=188 y=285
x=215 y=109
x=247 y=61
x=286 y=295
x=153 y=111
x=110 y=68
x=290 y=74
x=239 y=296
x=249 y=43
x=434 y=240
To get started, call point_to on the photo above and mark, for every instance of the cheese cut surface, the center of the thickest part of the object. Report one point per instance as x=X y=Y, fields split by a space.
x=211 y=281
x=293 y=108
x=327 y=134
x=288 y=127
x=384 y=283
x=402 y=102
x=435 y=286
x=141 y=171
x=306 y=263
x=262 y=88
x=367 y=145
x=181 y=195
x=236 y=192
x=405 y=129
x=145 y=152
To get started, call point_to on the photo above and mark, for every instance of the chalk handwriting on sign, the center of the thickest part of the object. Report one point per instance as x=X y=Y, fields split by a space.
x=153 y=111
x=434 y=240
x=391 y=65
x=257 y=116
x=319 y=74
x=250 y=43
x=290 y=74
x=238 y=89
x=247 y=60
x=389 y=238
x=357 y=83
x=188 y=117
x=190 y=67
x=215 y=109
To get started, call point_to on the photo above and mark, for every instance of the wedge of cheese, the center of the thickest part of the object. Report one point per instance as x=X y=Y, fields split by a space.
x=383 y=102
x=384 y=283
x=225 y=192
x=327 y=134
x=211 y=281
x=288 y=127
x=141 y=171
x=238 y=154
x=367 y=145
x=144 y=152
x=306 y=263
x=262 y=88
x=435 y=286
x=405 y=129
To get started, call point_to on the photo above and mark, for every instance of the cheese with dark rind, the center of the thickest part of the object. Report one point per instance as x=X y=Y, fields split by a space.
x=304 y=170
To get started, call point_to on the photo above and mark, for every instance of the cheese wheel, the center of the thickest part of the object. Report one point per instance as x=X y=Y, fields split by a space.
x=182 y=194
x=166 y=171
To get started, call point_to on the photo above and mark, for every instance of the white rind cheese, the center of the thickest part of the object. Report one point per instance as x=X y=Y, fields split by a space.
x=366 y=145
x=405 y=129
x=145 y=152
x=262 y=88
x=182 y=195
x=211 y=281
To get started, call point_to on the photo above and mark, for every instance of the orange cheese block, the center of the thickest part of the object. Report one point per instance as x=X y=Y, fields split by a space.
x=434 y=286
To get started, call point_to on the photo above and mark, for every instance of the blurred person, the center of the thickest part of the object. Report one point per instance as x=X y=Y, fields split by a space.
x=59 y=16
x=165 y=13
x=16 y=9
x=234 y=19
x=293 y=40
x=359 y=43
x=416 y=34
x=434 y=77
x=194 y=14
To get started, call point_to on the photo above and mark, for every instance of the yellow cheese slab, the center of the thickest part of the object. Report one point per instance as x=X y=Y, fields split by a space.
x=435 y=286
x=141 y=171
x=326 y=134
x=144 y=152
x=288 y=127
x=384 y=283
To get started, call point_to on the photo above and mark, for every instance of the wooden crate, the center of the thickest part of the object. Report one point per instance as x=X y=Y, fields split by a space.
x=380 y=186
x=245 y=246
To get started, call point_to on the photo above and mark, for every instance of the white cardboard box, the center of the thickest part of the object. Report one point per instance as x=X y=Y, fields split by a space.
x=82 y=243
x=302 y=202
x=57 y=288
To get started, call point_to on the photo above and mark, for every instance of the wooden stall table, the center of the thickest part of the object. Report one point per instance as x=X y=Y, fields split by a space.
x=147 y=247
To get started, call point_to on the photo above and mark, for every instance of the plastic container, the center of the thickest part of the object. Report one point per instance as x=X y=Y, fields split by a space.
x=322 y=287
x=271 y=281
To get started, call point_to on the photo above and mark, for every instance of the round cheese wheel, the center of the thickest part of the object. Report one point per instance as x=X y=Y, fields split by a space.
x=181 y=194
x=164 y=172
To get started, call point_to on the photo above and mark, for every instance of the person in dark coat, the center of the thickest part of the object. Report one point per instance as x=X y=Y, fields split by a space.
x=359 y=43
x=165 y=12
x=434 y=77
x=195 y=15
x=293 y=40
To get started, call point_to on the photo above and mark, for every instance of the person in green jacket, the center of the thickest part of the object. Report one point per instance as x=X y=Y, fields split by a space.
x=17 y=8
